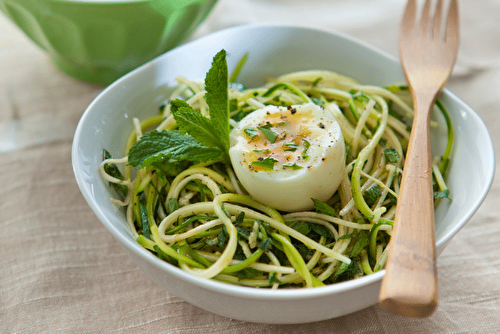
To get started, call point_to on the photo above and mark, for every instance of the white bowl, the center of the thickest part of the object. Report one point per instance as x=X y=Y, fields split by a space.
x=273 y=50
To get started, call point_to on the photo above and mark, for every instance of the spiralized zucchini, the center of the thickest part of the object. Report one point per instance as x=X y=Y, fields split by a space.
x=199 y=217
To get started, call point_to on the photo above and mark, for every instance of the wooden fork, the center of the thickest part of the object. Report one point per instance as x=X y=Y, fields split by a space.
x=410 y=286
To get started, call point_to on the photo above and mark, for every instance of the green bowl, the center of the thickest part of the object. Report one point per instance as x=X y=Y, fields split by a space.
x=100 y=40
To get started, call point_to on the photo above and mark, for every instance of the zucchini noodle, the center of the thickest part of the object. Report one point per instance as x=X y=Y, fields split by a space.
x=200 y=218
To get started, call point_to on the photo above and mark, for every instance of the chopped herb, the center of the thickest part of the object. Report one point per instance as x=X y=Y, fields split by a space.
x=270 y=134
x=265 y=244
x=382 y=142
x=300 y=226
x=243 y=232
x=112 y=169
x=239 y=254
x=266 y=163
x=346 y=271
x=273 y=278
x=264 y=227
x=293 y=166
x=306 y=148
x=239 y=218
x=372 y=194
x=391 y=154
x=222 y=237
x=322 y=231
x=251 y=132
x=248 y=273
x=264 y=150
x=442 y=194
x=322 y=207
x=361 y=243
x=290 y=147
x=144 y=215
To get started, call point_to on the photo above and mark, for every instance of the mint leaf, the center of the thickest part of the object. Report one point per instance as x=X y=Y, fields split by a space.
x=322 y=207
x=442 y=194
x=306 y=148
x=290 y=147
x=273 y=278
x=266 y=163
x=251 y=132
x=243 y=232
x=265 y=244
x=195 y=124
x=300 y=226
x=113 y=170
x=372 y=194
x=155 y=146
x=391 y=155
x=216 y=85
x=293 y=166
x=322 y=231
x=346 y=272
x=270 y=134
x=144 y=215
x=361 y=243
x=248 y=273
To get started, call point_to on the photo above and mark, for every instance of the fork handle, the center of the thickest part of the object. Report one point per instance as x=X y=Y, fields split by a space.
x=409 y=286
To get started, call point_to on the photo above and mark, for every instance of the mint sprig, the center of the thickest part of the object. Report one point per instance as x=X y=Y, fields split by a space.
x=156 y=146
x=216 y=85
x=199 y=138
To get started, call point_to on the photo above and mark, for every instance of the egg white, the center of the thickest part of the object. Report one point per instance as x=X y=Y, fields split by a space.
x=307 y=156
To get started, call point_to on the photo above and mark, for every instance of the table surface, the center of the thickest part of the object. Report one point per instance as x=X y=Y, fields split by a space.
x=61 y=271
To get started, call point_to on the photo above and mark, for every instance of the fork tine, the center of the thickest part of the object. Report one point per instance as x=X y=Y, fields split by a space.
x=425 y=19
x=408 y=26
x=436 y=32
x=452 y=22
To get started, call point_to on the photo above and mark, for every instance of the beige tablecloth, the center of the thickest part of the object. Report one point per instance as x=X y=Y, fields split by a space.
x=62 y=272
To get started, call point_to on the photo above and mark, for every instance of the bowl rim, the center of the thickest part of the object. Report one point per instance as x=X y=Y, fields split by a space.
x=250 y=292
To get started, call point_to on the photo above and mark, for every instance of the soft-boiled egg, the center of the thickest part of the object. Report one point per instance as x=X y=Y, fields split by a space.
x=285 y=156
